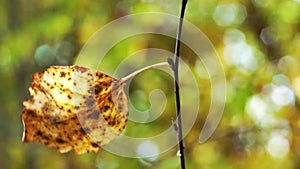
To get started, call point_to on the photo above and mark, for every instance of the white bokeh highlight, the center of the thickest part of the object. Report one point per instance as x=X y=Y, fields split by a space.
x=282 y=95
x=278 y=145
x=146 y=149
x=237 y=52
x=228 y=14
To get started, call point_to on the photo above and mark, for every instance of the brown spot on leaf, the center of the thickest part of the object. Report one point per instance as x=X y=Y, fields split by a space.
x=60 y=141
x=94 y=144
x=81 y=69
x=98 y=89
x=90 y=102
x=94 y=115
x=62 y=74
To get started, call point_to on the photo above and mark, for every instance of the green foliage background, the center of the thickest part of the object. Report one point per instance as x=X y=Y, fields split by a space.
x=258 y=42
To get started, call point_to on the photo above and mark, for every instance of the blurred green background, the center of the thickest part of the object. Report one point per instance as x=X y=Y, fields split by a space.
x=258 y=42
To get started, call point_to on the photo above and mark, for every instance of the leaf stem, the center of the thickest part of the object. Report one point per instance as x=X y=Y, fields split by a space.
x=124 y=79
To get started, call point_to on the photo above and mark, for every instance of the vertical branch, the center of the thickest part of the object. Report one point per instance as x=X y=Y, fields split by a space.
x=176 y=86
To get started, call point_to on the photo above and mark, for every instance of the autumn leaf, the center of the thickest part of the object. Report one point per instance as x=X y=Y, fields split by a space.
x=73 y=107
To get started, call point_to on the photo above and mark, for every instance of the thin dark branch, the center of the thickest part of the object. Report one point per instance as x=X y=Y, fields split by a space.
x=176 y=86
